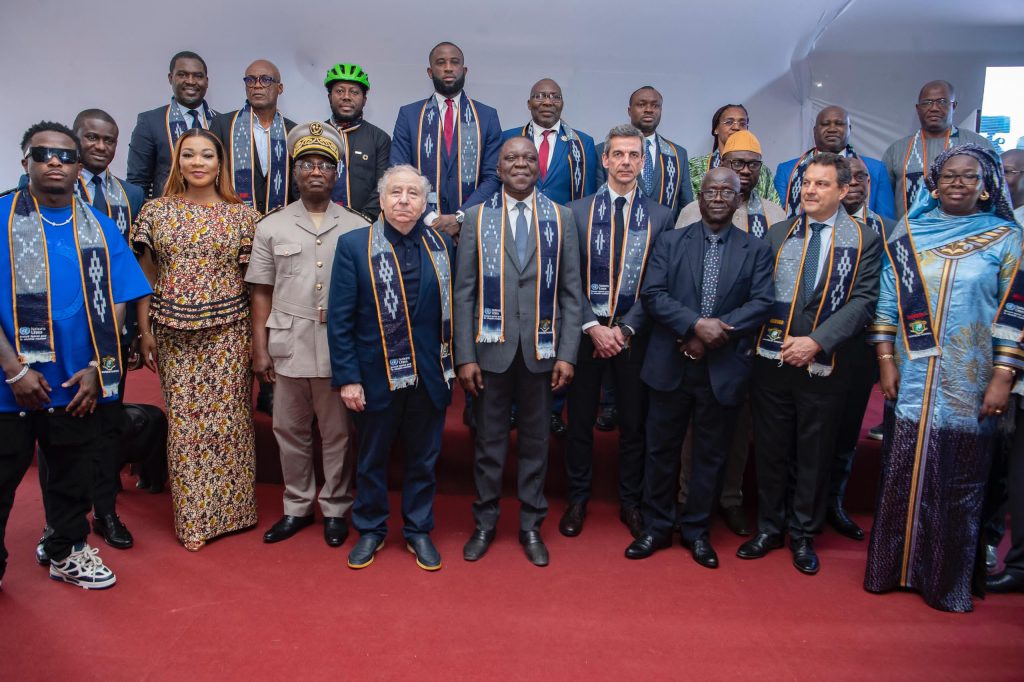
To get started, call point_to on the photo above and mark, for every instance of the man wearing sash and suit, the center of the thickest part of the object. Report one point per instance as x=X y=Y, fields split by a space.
x=255 y=140
x=66 y=274
x=907 y=159
x=831 y=132
x=826 y=286
x=389 y=326
x=708 y=289
x=450 y=138
x=617 y=228
x=665 y=174
x=517 y=329
x=290 y=270
x=366 y=148
x=157 y=130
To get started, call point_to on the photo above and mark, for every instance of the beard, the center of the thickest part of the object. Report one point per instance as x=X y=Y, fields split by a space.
x=449 y=90
x=348 y=118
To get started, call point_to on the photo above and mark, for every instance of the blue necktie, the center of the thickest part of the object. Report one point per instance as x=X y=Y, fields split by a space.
x=648 y=172
x=522 y=233
x=99 y=197
x=809 y=277
x=195 y=118
x=709 y=286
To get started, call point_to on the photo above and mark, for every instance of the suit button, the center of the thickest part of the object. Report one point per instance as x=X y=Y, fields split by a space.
x=319 y=286
x=319 y=242
x=319 y=263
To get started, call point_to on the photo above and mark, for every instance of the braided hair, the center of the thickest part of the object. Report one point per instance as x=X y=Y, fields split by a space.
x=991 y=174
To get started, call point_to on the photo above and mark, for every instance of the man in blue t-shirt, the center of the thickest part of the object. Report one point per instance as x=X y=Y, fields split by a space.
x=59 y=344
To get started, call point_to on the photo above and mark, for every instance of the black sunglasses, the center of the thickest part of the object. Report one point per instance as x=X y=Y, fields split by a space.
x=44 y=154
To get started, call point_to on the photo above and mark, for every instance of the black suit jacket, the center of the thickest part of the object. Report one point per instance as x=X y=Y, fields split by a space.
x=369 y=151
x=221 y=127
x=672 y=292
x=661 y=221
x=149 y=152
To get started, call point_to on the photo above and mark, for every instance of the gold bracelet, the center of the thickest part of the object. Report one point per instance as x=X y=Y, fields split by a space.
x=886 y=356
x=1011 y=370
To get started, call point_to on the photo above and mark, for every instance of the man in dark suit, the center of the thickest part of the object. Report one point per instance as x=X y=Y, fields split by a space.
x=617 y=228
x=450 y=138
x=568 y=161
x=517 y=330
x=367 y=148
x=389 y=326
x=156 y=131
x=255 y=139
x=826 y=287
x=708 y=290
x=665 y=174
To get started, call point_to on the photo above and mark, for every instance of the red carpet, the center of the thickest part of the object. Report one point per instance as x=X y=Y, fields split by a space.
x=240 y=609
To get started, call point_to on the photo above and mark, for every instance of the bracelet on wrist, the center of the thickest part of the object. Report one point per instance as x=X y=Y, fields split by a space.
x=886 y=356
x=18 y=377
x=1011 y=370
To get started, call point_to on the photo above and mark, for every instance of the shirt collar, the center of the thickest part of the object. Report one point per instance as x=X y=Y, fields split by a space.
x=510 y=201
x=722 y=234
x=653 y=139
x=441 y=99
x=394 y=236
x=538 y=129
x=87 y=175
x=830 y=222
x=629 y=195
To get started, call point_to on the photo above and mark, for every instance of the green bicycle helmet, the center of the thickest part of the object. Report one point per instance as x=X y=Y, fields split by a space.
x=347 y=72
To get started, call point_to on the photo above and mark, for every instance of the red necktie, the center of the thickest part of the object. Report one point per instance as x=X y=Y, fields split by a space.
x=543 y=153
x=449 y=125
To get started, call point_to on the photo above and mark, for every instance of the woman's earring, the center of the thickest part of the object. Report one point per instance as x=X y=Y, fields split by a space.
x=935 y=194
x=984 y=196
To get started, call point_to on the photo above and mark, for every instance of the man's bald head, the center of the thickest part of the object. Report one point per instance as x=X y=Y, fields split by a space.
x=832 y=129
x=263 y=85
x=545 y=103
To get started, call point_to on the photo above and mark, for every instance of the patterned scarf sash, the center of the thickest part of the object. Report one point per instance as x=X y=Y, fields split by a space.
x=118 y=209
x=607 y=298
x=467 y=142
x=915 y=165
x=714 y=159
x=342 y=191
x=176 y=124
x=911 y=293
x=31 y=292
x=757 y=222
x=577 y=157
x=490 y=233
x=796 y=179
x=243 y=160
x=668 y=163
x=841 y=270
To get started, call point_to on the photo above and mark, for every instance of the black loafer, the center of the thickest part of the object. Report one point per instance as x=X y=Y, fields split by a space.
x=42 y=558
x=571 y=523
x=477 y=544
x=113 y=531
x=633 y=519
x=335 y=530
x=558 y=427
x=644 y=546
x=534 y=547
x=804 y=558
x=702 y=552
x=364 y=550
x=759 y=545
x=427 y=556
x=736 y=520
x=843 y=524
x=286 y=527
x=1004 y=583
x=607 y=418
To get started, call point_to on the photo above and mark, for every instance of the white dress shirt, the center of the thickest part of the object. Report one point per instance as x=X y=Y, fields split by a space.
x=651 y=145
x=90 y=189
x=183 y=110
x=513 y=212
x=538 y=138
x=826 y=240
x=613 y=195
x=442 y=105
x=261 y=140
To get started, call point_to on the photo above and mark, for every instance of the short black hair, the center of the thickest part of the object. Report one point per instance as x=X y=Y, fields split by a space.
x=97 y=114
x=642 y=87
x=49 y=126
x=430 y=55
x=187 y=54
x=842 y=166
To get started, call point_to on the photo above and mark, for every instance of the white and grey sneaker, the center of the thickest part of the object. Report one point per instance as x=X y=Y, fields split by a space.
x=83 y=567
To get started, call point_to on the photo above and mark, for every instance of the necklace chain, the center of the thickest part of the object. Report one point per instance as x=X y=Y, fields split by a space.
x=62 y=224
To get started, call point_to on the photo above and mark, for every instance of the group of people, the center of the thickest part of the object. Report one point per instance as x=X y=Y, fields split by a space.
x=362 y=275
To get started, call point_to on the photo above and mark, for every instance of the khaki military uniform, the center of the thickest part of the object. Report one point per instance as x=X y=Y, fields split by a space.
x=295 y=257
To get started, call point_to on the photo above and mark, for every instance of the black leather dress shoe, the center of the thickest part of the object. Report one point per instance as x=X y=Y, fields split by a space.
x=804 y=558
x=534 y=547
x=113 y=531
x=335 y=530
x=633 y=519
x=571 y=523
x=843 y=524
x=364 y=550
x=703 y=553
x=427 y=556
x=736 y=520
x=1003 y=583
x=477 y=544
x=607 y=418
x=286 y=527
x=644 y=546
x=991 y=557
x=42 y=558
x=558 y=427
x=759 y=545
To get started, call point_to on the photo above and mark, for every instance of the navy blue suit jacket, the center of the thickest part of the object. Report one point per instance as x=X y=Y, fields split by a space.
x=557 y=184
x=149 y=153
x=403 y=150
x=881 y=191
x=353 y=331
x=671 y=296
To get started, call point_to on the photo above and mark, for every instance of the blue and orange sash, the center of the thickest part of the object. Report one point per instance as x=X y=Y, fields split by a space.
x=669 y=172
x=577 y=157
x=341 y=193
x=911 y=293
x=757 y=222
x=607 y=298
x=466 y=138
x=915 y=167
x=243 y=163
x=118 y=209
x=796 y=179
x=176 y=125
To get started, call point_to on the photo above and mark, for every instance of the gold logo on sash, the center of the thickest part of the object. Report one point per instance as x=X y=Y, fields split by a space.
x=545 y=325
x=918 y=327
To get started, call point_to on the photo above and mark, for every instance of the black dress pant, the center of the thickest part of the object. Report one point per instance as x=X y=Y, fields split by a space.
x=668 y=418
x=858 y=394
x=584 y=398
x=1015 y=501
x=795 y=421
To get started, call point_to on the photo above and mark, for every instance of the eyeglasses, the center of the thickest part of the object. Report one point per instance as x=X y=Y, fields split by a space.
x=44 y=154
x=730 y=122
x=324 y=167
x=860 y=177
x=942 y=103
x=968 y=179
x=709 y=194
x=739 y=164
x=550 y=96
x=1010 y=171
x=264 y=80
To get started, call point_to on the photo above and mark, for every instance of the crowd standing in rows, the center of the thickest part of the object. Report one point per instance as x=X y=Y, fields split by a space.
x=697 y=302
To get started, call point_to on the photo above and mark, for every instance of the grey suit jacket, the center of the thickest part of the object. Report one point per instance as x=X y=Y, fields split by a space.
x=520 y=296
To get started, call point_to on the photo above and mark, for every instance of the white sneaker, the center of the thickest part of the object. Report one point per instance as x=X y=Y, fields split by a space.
x=83 y=567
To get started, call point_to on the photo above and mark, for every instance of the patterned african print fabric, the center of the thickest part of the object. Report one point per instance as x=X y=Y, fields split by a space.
x=936 y=462
x=765 y=187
